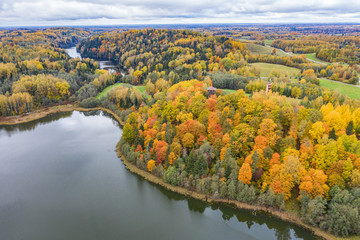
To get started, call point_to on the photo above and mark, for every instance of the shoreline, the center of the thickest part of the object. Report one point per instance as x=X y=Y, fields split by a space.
x=45 y=111
x=285 y=216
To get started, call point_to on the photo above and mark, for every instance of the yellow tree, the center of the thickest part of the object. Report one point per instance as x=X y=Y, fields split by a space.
x=334 y=120
x=63 y=88
x=150 y=165
x=245 y=173
x=317 y=130
x=293 y=167
x=176 y=148
x=188 y=140
x=347 y=169
x=267 y=129
x=170 y=111
x=197 y=103
x=355 y=178
x=356 y=117
x=325 y=155
x=172 y=157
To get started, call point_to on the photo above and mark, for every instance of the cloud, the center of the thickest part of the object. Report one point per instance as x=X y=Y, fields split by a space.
x=91 y=12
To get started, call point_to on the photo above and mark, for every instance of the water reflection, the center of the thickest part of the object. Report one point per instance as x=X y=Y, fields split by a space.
x=106 y=65
x=101 y=113
x=92 y=113
x=29 y=126
x=282 y=230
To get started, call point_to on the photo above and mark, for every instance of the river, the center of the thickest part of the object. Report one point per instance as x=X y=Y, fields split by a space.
x=60 y=178
x=73 y=53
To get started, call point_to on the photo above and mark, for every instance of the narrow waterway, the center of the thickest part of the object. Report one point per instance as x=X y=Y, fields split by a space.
x=60 y=178
x=73 y=53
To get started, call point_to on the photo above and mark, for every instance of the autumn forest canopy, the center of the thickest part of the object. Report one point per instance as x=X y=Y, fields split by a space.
x=292 y=145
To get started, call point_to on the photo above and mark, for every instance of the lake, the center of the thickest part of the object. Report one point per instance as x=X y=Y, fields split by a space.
x=60 y=178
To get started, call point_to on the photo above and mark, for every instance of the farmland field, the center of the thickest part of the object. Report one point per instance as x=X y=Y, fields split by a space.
x=266 y=68
x=348 y=90
x=259 y=49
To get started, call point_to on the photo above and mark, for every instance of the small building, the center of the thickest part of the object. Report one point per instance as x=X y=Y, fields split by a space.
x=211 y=91
x=268 y=87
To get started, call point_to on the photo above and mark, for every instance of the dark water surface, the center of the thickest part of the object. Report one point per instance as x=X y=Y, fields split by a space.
x=60 y=178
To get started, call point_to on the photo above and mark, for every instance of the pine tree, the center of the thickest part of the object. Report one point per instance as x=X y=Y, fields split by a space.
x=350 y=128
x=255 y=157
x=231 y=190
x=168 y=134
x=332 y=134
x=200 y=167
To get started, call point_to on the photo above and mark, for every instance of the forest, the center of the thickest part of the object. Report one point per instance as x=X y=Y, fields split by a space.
x=35 y=71
x=328 y=48
x=292 y=148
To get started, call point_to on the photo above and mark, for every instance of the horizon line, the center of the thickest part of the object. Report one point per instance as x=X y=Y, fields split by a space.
x=176 y=24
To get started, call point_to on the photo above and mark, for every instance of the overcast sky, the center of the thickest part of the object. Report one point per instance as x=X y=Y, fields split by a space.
x=105 y=12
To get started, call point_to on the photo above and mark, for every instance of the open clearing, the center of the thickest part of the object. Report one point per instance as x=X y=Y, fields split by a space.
x=348 y=90
x=228 y=91
x=268 y=42
x=266 y=68
x=259 y=49
x=107 y=90
x=312 y=56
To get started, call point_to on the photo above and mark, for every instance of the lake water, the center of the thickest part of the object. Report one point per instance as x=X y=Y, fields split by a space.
x=60 y=178
x=102 y=64
x=73 y=53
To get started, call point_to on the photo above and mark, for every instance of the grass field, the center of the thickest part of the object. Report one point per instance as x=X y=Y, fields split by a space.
x=107 y=90
x=259 y=49
x=228 y=91
x=266 y=68
x=244 y=39
x=348 y=90
x=268 y=42
x=312 y=56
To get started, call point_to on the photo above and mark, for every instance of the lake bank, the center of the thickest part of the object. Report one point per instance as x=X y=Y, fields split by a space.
x=158 y=181
x=45 y=111
x=285 y=216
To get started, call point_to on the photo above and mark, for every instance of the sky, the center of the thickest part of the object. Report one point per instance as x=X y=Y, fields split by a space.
x=119 y=12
